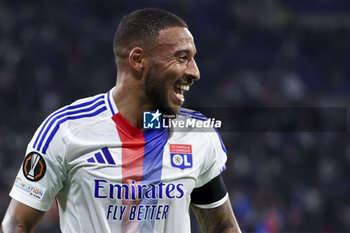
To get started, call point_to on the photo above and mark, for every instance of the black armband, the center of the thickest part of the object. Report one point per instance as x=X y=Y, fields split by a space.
x=209 y=193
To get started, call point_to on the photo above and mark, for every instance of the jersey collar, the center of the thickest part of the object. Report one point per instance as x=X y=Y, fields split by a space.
x=112 y=107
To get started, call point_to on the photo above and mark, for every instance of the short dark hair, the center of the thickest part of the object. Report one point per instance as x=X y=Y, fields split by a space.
x=141 y=28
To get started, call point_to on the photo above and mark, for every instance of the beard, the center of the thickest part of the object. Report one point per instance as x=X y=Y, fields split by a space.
x=156 y=91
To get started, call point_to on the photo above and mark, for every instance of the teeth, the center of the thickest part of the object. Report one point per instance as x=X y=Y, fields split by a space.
x=180 y=96
x=183 y=87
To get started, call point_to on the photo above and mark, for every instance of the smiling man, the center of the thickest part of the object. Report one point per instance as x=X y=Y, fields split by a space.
x=107 y=173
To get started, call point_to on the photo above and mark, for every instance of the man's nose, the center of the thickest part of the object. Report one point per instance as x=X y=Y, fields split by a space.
x=192 y=70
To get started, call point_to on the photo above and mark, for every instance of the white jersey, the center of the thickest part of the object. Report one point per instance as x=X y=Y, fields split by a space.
x=108 y=176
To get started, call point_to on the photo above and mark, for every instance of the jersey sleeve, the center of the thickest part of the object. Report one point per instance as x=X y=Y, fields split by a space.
x=42 y=172
x=215 y=158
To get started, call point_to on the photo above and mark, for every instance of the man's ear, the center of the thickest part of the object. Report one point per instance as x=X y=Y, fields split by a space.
x=135 y=58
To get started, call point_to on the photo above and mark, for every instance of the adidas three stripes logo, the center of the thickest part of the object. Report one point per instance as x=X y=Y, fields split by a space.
x=103 y=158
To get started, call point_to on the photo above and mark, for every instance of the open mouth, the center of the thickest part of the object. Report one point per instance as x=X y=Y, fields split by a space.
x=179 y=91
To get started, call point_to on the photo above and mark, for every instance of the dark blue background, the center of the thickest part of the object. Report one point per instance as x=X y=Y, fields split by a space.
x=273 y=53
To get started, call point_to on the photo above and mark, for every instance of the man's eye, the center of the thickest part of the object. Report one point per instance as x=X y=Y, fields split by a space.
x=183 y=59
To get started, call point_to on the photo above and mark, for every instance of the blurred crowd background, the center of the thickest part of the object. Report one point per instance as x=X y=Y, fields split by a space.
x=250 y=53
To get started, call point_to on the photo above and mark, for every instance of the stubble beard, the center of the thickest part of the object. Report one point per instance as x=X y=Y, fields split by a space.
x=156 y=91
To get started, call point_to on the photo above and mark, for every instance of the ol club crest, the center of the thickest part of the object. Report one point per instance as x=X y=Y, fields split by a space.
x=181 y=156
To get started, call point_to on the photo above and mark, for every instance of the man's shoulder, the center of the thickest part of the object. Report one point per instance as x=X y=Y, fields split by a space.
x=85 y=101
x=201 y=127
x=79 y=111
x=197 y=122
x=190 y=113
x=82 y=109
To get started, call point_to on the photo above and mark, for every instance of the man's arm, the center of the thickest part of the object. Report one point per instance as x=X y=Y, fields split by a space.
x=217 y=220
x=20 y=218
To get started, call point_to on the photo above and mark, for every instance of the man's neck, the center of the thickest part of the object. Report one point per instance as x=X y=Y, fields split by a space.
x=130 y=104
